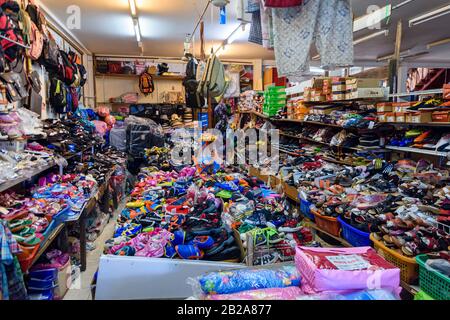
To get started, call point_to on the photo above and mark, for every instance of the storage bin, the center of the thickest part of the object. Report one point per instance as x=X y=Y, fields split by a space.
x=305 y=209
x=441 y=116
x=432 y=282
x=14 y=145
x=26 y=257
x=355 y=237
x=327 y=224
x=408 y=266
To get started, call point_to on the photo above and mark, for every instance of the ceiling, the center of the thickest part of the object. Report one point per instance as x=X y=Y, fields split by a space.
x=107 y=28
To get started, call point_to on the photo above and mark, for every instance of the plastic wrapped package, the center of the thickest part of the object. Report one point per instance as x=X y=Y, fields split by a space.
x=295 y=293
x=340 y=269
x=118 y=139
x=289 y=293
x=142 y=134
x=243 y=280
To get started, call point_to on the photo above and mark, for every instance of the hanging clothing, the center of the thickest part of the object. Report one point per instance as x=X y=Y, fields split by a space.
x=241 y=11
x=282 y=3
x=266 y=26
x=12 y=286
x=256 y=35
x=328 y=24
x=252 y=6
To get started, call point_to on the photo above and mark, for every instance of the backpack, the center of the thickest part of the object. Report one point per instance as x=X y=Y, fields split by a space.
x=51 y=58
x=10 y=29
x=213 y=83
x=190 y=82
x=146 y=84
x=80 y=69
x=68 y=73
x=37 y=43
x=58 y=96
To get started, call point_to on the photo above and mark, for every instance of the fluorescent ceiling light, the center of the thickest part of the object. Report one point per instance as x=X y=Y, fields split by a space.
x=133 y=7
x=372 y=19
x=404 y=3
x=430 y=16
x=371 y=36
x=137 y=29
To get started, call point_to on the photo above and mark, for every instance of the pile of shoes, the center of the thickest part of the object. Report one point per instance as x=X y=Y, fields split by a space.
x=69 y=136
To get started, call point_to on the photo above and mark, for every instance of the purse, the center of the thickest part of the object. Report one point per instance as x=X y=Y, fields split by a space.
x=35 y=81
x=114 y=67
x=15 y=89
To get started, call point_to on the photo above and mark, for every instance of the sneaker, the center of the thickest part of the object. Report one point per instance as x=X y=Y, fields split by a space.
x=189 y=252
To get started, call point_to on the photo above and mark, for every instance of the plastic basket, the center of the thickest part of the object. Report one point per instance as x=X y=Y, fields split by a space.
x=327 y=224
x=434 y=283
x=408 y=266
x=422 y=296
x=27 y=256
x=305 y=209
x=355 y=237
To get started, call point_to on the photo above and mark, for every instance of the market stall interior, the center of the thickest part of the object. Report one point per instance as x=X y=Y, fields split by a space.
x=116 y=118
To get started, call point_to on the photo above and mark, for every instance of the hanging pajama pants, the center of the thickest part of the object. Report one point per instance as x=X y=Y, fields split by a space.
x=328 y=24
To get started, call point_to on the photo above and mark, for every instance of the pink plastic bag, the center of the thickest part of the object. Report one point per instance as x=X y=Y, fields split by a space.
x=289 y=293
x=100 y=127
x=339 y=269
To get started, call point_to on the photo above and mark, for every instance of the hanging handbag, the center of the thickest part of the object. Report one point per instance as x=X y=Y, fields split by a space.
x=114 y=67
x=102 y=66
x=35 y=82
x=15 y=91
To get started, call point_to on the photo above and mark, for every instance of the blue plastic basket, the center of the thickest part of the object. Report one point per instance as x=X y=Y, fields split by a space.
x=355 y=237
x=305 y=209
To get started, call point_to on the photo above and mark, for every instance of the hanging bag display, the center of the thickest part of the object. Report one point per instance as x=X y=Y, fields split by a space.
x=68 y=74
x=9 y=29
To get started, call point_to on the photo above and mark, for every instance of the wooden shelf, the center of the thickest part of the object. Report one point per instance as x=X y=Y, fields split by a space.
x=43 y=246
x=135 y=76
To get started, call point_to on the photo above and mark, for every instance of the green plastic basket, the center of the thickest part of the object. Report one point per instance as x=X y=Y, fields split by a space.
x=422 y=296
x=434 y=283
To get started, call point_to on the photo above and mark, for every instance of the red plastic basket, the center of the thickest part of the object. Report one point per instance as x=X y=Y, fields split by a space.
x=328 y=224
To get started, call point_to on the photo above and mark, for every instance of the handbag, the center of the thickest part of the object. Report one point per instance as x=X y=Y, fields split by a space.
x=16 y=90
x=35 y=81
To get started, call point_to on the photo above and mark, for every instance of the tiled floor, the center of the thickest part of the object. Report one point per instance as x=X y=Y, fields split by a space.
x=81 y=288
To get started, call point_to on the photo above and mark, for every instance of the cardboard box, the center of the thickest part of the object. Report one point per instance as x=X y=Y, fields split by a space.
x=402 y=106
x=364 y=83
x=447 y=91
x=291 y=192
x=382 y=117
x=384 y=107
x=400 y=117
x=390 y=117
x=441 y=116
x=422 y=117
x=367 y=93
x=64 y=280
x=339 y=87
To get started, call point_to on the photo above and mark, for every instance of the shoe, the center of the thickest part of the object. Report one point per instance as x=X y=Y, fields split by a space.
x=169 y=251
x=203 y=242
x=231 y=253
x=189 y=252
x=179 y=238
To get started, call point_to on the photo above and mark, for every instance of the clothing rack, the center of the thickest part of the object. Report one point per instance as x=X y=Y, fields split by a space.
x=15 y=42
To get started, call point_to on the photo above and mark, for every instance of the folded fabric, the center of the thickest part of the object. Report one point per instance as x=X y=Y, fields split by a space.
x=244 y=280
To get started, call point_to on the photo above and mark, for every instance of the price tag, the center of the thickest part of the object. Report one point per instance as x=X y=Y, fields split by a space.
x=349 y=262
